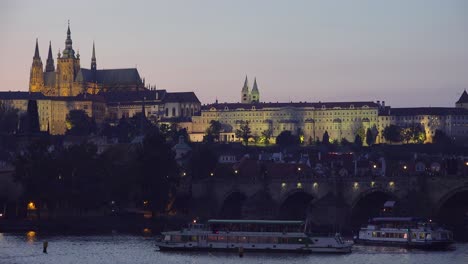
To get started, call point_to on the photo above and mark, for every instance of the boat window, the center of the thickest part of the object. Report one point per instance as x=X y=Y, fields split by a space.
x=232 y=239
x=421 y=235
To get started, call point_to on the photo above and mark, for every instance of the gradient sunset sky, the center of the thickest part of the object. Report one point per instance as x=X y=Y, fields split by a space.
x=406 y=52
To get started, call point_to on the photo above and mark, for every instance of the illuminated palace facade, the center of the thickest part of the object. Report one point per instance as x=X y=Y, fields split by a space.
x=103 y=94
x=339 y=119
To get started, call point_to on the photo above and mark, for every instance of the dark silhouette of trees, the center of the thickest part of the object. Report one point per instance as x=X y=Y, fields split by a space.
x=392 y=133
x=358 y=141
x=441 y=138
x=79 y=123
x=369 y=137
x=157 y=171
x=213 y=131
x=8 y=119
x=244 y=132
x=286 y=138
x=326 y=138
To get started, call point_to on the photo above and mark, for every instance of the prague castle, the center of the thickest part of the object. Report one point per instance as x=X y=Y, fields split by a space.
x=103 y=94
x=107 y=95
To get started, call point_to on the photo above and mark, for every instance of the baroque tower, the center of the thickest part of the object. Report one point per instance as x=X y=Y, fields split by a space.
x=245 y=94
x=255 y=94
x=68 y=66
x=36 y=78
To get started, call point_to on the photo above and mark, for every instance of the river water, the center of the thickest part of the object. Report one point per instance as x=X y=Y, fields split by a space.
x=122 y=248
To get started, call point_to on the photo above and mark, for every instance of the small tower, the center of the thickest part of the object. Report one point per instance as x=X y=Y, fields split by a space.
x=245 y=94
x=255 y=94
x=36 y=78
x=50 y=60
x=463 y=101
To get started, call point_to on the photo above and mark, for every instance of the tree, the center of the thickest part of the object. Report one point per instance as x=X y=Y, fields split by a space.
x=326 y=138
x=157 y=185
x=369 y=137
x=418 y=134
x=266 y=136
x=79 y=123
x=358 y=141
x=345 y=142
x=244 y=132
x=8 y=119
x=441 y=138
x=392 y=133
x=30 y=120
x=213 y=131
x=286 y=138
x=36 y=169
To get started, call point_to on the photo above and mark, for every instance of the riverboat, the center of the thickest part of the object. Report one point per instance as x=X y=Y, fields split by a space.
x=405 y=231
x=251 y=235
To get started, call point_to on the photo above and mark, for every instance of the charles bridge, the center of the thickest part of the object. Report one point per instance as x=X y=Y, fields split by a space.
x=341 y=202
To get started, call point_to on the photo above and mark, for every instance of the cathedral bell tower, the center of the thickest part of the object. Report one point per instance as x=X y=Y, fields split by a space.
x=68 y=66
x=36 y=78
x=245 y=93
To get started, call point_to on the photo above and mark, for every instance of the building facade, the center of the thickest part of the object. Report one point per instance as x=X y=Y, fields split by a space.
x=341 y=120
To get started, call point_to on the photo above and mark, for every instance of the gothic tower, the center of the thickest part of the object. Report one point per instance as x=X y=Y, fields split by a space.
x=50 y=60
x=245 y=94
x=68 y=66
x=36 y=78
x=255 y=94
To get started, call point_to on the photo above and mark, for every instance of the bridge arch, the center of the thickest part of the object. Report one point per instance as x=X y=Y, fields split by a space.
x=369 y=204
x=231 y=206
x=452 y=211
x=295 y=205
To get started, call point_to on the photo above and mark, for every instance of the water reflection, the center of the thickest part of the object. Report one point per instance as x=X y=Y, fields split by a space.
x=31 y=236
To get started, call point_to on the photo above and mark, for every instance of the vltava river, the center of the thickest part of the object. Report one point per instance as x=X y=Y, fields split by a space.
x=119 y=248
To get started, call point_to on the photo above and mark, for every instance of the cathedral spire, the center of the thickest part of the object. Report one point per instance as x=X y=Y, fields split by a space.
x=245 y=93
x=255 y=94
x=68 y=52
x=36 y=52
x=93 y=59
x=50 y=60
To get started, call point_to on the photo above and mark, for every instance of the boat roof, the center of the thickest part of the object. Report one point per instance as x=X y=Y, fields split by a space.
x=396 y=219
x=261 y=222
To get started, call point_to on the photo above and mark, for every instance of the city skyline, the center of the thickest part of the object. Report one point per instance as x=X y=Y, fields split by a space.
x=308 y=56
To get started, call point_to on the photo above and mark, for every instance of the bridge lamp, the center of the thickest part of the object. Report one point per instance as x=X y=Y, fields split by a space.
x=466 y=163
x=299 y=185
x=184 y=173
x=391 y=184
x=374 y=166
x=283 y=185
x=405 y=167
x=236 y=171
x=298 y=168
x=356 y=185
x=315 y=185
x=372 y=184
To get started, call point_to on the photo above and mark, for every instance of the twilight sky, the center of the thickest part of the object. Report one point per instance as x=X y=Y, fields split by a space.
x=408 y=53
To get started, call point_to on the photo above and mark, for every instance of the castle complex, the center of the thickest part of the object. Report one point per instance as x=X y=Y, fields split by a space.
x=110 y=94
x=103 y=94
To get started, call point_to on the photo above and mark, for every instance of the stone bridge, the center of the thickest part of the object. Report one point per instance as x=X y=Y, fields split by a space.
x=341 y=202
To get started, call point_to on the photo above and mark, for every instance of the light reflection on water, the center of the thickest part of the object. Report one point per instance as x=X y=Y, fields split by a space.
x=118 y=248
